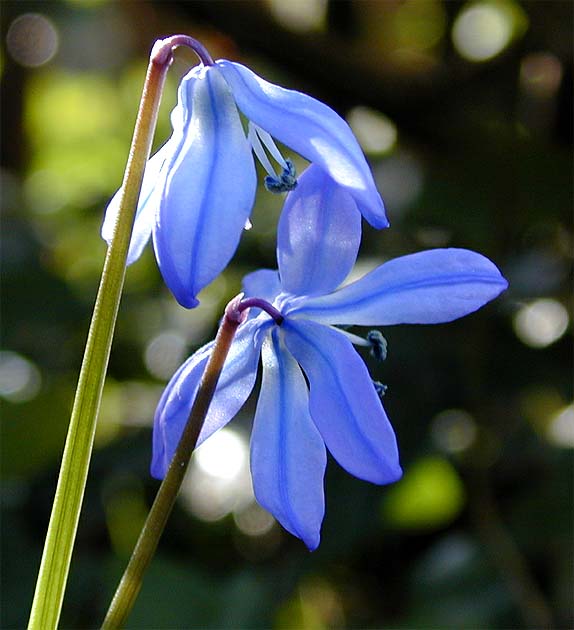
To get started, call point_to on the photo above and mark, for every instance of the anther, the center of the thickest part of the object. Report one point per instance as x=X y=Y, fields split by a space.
x=285 y=182
x=378 y=344
x=380 y=388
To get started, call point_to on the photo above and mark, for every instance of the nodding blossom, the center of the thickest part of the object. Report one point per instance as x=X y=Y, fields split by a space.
x=198 y=189
x=316 y=392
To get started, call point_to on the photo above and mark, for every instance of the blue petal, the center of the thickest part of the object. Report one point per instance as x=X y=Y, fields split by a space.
x=209 y=189
x=148 y=202
x=318 y=236
x=234 y=386
x=343 y=402
x=429 y=287
x=263 y=283
x=311 y=129
x=288 y=457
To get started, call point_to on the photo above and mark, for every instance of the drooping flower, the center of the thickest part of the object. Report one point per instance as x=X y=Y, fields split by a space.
x=340 y=409
x=198 y=189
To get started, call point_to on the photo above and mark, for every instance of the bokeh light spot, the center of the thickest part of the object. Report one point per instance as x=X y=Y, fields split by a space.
x=401 y=176
x=254 y=520
x=541 y=323
x=32 y=40
x=560 y=430
x=375 y=132
x=430 y=495
x=484 y=29
x=219 y=481
x=20 y=379
x=164 y=353
x=418 y=25
x=453 y=430
x=541 y=74
x=223 y=455
x=300 y=16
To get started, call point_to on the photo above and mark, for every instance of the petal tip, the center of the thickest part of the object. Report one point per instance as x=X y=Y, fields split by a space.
x=186 y=300
x=157 y=470
x=312 y=542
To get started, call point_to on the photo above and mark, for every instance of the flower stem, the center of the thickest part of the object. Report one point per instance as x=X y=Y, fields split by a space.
x=56 y=557
x=130 y=584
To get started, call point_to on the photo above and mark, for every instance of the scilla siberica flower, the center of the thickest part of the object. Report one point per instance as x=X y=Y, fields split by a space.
x=198 y=189
x=318 y=240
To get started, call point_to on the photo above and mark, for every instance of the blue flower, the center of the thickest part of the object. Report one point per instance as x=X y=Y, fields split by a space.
x=316 y=391
x=198 y=189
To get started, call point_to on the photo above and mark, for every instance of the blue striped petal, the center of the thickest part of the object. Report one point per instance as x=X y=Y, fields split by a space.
x=235 y=384
x=429 y=287
x=318 y=236
x=288 y=457
x=310 y=128
x=209 y=189
x=343 y=402
x=148 y=203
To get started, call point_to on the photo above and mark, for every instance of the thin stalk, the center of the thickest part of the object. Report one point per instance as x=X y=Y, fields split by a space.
x=60 y=538
x=131 y=582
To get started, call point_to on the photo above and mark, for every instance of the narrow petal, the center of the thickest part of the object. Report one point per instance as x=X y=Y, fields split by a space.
x=318 y=236
x=288 y=457
x=343 y=402
x=429 y=287
x=311 y=129
x=234 y=386
x=209 y=189
x=148 y=202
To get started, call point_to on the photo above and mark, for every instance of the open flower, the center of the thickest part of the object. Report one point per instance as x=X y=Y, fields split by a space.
x=198 y=189
x=316 y=391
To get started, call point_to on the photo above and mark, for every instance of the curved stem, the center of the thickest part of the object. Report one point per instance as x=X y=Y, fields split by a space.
x=130 y=584
x=61 y=534
x=254 y=302
x=162 y=51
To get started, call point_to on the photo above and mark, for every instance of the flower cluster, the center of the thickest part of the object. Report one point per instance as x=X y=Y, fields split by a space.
x=316 y=393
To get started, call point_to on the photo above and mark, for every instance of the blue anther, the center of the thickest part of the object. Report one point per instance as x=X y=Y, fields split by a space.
x=380 y=388
x=378 y=344
x=285 y=182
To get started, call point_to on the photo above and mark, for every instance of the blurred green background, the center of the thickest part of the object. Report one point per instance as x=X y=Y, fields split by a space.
x=465 y=112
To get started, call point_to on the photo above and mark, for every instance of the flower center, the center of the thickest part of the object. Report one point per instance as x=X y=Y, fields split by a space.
x=261 y=140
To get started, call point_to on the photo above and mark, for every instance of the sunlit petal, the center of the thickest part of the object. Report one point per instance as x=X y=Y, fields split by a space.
x=429 y=287
x=343 y=402
x=209 y=190
x=318 y=236
x=311 y=129
x=263 y=283
x=235 y=384
x=147 y=205
x=288 y=457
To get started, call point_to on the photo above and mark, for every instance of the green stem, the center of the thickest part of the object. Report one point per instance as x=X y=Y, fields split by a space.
x=131 y=581
x=61 y=534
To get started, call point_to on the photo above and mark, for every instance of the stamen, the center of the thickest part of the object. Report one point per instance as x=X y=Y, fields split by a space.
x=261 y=140
x=378 y=344
x=259 y=151
x=271 y=146
x=380 y=388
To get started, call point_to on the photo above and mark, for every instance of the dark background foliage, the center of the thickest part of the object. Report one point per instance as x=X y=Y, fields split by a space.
x=468 y=153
